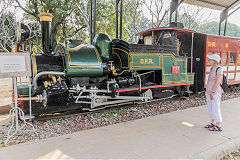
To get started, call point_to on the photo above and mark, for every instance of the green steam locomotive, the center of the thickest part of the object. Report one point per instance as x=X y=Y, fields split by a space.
x=108 y=72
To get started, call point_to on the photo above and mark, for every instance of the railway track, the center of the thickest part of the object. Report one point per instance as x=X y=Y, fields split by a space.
x=174 y=97
x=46 y=117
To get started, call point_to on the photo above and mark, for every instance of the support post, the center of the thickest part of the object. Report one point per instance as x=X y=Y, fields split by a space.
x=219 y=28
x=121 y=8
x=223 y=17
x=30 y=98
x=170 y=18
x=225 y=27
x=94 y=18
x=176 y=14
x=192 y=53
x=91 y=35
x=15 y=100
x=173 y=8
x=117 y=19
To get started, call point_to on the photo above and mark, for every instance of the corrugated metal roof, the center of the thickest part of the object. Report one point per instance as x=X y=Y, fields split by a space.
x=214 y=4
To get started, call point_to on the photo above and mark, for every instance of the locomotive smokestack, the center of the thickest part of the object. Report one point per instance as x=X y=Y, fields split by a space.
x=46 y=26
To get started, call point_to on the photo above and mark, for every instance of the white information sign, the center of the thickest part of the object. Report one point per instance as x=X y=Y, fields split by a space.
x=14 y=65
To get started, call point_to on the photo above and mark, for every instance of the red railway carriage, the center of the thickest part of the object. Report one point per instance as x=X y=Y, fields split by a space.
x=229 y=50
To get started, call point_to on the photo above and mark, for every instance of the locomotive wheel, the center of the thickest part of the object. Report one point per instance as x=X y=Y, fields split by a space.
x=113 y=89
x=181 y=90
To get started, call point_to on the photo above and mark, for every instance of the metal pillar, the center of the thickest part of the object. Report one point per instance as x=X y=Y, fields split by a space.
x=192 y=53
x=174 y=8
x=121 y=8
x=176 y=13
x=94 y=18
x=223 y=17
x=117 y=1
x=225 y=27
x=219 y=28
x=91 y=35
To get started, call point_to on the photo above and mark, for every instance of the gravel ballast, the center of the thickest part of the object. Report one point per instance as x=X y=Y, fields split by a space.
x=74 y=123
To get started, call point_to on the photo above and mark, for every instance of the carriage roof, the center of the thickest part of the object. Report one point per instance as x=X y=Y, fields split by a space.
x=178 y=30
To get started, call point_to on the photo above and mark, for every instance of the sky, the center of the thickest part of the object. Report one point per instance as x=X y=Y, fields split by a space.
x=214 y=15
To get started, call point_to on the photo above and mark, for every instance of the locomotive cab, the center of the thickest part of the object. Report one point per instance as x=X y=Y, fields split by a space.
x=180 y=40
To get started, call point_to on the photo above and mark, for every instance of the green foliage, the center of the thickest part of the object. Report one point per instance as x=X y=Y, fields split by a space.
x=188 y=21
x=233 y=30
x=68 y=22
x=62 y=11
x=7 y=31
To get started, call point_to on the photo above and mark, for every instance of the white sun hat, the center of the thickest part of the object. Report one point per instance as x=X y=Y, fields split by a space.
x=214 y=57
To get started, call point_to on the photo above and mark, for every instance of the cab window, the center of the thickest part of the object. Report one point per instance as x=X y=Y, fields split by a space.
x=224 y=59
x=238 y=58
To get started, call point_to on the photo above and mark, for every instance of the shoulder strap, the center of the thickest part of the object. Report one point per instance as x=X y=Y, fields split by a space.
x=217 y=70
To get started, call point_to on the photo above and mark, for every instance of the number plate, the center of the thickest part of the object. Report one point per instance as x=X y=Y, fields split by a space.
x=176 y=70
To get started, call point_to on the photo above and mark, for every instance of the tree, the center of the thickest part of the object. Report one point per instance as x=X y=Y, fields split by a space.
x=7 y=27
x=233 y=30
x=193 y=16
x=134 y=19
x=71 y=18
x=158 y=11
x=63 y=23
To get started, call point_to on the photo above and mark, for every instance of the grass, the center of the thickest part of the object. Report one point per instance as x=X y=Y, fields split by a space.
x=57 y=120
x=109 y=114
x=233 y=156
x=41 y=122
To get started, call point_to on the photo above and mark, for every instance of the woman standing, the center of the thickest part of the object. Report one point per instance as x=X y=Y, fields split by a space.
x=214 y=92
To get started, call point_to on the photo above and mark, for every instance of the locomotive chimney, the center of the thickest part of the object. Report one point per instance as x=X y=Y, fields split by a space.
x=46 y=26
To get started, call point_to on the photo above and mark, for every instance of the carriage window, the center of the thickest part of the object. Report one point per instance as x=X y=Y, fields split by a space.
x=238 y=58
x=224 y=59
x=232 y=58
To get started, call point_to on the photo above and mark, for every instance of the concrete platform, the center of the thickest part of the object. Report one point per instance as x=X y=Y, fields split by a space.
x=173 y=135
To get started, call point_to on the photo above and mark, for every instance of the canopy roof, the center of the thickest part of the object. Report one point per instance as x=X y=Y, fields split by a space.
x=214 y=4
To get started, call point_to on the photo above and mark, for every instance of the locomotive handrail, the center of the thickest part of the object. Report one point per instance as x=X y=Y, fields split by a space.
x=45 y=73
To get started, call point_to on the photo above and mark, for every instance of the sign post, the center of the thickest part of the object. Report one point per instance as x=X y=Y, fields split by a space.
x=13 y=65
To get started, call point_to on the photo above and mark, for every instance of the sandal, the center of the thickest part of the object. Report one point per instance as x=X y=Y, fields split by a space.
x=215 y=128
x=209 y=125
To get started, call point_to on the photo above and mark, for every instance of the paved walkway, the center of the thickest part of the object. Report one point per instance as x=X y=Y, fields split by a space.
x=177 y=134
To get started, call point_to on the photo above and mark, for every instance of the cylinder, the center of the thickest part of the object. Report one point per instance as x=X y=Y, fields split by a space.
x=46 y=26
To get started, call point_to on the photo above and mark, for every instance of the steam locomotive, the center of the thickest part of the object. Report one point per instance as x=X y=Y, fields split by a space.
x=110 y=71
